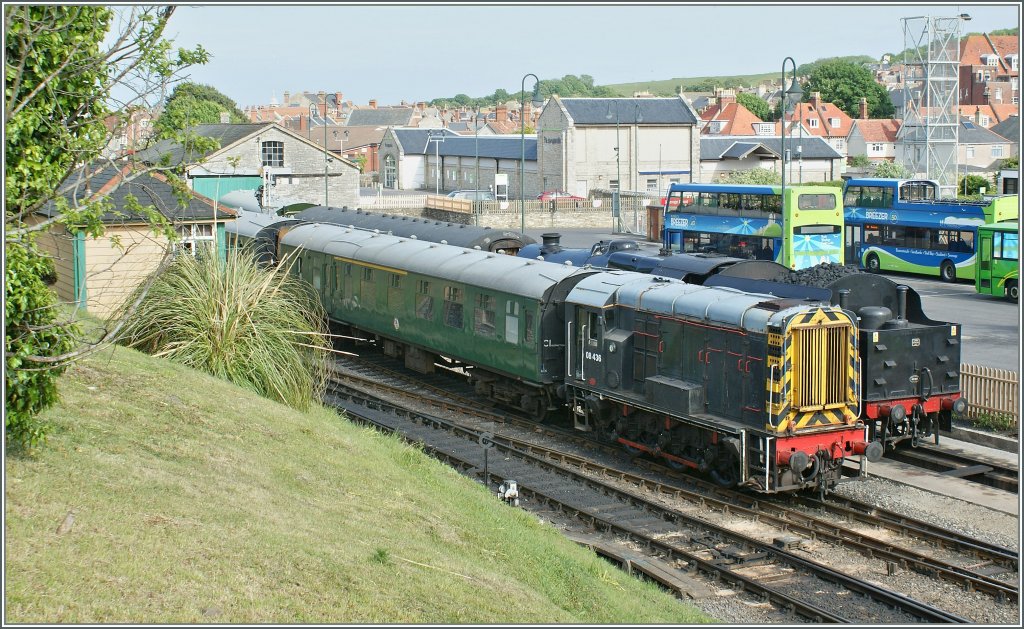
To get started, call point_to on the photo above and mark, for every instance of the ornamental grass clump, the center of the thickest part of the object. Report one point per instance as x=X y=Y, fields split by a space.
x=260 y=328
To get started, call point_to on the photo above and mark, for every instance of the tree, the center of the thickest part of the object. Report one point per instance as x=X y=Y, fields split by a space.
x=191 y=104
x=891 y=170
x=756 y=176
x=971 y=185
x=859 y=161
x=61 y=84
x=843 y=83
x=755 y=105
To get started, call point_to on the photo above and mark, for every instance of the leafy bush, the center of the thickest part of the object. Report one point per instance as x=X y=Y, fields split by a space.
x=759 y=176
x=972 y=185
x=261 y=329
x=999 y=422
x=859 y=161
x=31 y=330
x=893 y=170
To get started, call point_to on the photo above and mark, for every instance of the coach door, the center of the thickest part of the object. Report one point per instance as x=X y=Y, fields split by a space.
x=587 y=357
x=851 y=241
x=985 y=261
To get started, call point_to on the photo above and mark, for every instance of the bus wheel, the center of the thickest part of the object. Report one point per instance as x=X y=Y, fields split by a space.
x=947 y=271
x=872 y=263
x=1011 y=290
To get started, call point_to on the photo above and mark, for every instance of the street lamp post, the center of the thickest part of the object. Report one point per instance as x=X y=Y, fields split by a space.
x=792 y=95
x=436 y=139
x=476 y=150
x=522 y=140
x=618 y=168
x=637 y=119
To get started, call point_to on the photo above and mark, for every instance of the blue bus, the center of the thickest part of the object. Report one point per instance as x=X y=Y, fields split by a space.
x=901 y=225
x=755 y=222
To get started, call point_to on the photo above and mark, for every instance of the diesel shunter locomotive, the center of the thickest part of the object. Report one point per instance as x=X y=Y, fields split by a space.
x=753 y=390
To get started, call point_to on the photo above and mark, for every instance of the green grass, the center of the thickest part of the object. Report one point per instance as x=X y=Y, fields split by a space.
x=195 y=501
x=668 y=87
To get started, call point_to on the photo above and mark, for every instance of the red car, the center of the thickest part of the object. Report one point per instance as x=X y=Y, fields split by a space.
x=558 y=195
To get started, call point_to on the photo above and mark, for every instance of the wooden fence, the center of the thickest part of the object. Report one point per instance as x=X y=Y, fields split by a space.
x=990 y=391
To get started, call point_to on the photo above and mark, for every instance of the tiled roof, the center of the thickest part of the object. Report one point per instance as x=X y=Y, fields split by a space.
x=113 y=182
x=740 y=120
x=1009 y=129
x=712 y=147
x=973 y=47
x=414 y=141
x=823 y=113
x=591 y=111
x=226 y=134
x=384 y=117
x=490 y=146
x=970 y=133
x=881 y=130
x=995 y=113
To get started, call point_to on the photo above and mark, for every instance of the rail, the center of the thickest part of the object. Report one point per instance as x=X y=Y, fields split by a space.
x=990 y=391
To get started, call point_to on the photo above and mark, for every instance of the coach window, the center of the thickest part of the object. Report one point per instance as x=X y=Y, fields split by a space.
x=529 y=336
x=512 y=321
x=483 y=315
x=395 y=291
x=424 y=302
x=367 y=290
x=453 y=306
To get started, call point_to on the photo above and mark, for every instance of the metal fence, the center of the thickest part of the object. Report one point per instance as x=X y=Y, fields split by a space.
x=990 y=391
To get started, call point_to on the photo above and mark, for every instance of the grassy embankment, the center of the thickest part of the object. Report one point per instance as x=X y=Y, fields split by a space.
x=192 y=500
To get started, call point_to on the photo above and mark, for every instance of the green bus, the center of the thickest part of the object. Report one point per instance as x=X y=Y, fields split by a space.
x=754 y=221
x=998 y=264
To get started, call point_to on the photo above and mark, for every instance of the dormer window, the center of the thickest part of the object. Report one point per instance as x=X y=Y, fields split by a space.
x=765 y=128
x=717 y=126
x=835 y=122
x=1012 y=60
x=814 y=122
x=990 y=60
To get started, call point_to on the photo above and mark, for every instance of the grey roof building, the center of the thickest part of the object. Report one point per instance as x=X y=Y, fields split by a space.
x=816 y=161
x=384 y=117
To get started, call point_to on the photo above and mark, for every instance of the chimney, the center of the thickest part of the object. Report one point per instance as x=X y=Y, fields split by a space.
x=225 y=117
x=337 y=100
x=287 y=96
x=373 y=104
x=501 y=114
x=977 y=116
x=816 y=101
x=322 y=100
x=303 y=123
x=863 y=108
x=421 y=105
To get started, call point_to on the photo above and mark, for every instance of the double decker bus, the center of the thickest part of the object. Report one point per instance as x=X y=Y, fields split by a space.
x=998 y=264
x=901 y=225
x=755 y=221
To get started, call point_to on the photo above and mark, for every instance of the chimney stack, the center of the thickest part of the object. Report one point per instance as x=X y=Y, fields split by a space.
x=816 y=101
x=863 y=108
x=501 y=113
x=286 y=98
x=373 y=103
x=303 y=123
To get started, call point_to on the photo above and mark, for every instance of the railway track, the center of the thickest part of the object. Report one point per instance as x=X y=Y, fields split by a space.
x=804 y=587
x=979 y=572
x=984 y=471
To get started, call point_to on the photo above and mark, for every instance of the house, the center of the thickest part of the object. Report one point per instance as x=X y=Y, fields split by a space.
x=128 y=133
x=98 y=274
x=358 y=144
x=875 y=139
x=637 y=144
x=979 y=150
x=1009 y=129
x=276 y=164
x=824 y=120
x=329 y=105
x=402 y=152
x=722 y=156
x=729 y=117
x=989 y=70
x=988 y=116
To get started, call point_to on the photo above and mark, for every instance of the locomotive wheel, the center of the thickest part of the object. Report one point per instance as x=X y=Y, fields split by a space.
x=947 y=271
x=872 y=263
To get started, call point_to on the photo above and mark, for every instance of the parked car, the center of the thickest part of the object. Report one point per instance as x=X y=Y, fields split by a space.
x=472 y=195
x=558 y=195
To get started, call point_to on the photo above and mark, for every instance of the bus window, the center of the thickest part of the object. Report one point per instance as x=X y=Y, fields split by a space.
x=816 y=202
x=872 y=234
x=1006 y=246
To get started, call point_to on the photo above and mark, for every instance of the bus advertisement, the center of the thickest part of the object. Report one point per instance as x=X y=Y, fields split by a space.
x=998 y=267
x=752 y=221
x=900 y=225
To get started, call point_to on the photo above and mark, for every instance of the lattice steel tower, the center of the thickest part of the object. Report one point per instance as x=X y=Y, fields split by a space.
x=931 y=96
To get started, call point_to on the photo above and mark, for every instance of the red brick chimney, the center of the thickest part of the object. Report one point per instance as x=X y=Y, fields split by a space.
x=501 y=114
x=303 y=123
x=373 y=103
x=337 y=99
x=323 y=103
x=816 y=101
x=863 y=108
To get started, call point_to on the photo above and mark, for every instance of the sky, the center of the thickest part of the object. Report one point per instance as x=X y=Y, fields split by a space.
x=391 y=52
